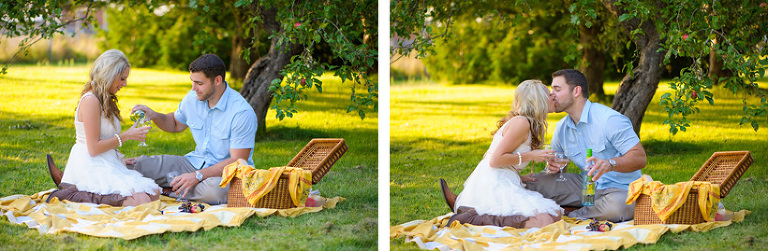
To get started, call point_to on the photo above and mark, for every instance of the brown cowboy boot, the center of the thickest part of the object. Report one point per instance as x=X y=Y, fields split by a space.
x=55 y=172
x=448 y=196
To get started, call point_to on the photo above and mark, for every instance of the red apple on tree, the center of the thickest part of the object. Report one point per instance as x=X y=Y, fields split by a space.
x=303 y=82
x=694 y=95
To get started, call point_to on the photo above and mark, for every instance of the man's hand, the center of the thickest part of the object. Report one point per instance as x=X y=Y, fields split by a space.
x=600 y=167
x=184 y=183
x=552 y=169
x=148 y=111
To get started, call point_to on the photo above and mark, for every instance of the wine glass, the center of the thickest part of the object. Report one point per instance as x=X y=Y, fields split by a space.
x=171 y=176
x=561 y=160
x=142 y=120
x=547 y=147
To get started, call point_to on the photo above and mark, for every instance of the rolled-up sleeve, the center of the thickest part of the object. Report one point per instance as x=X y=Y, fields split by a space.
x=244 y=126
x=621 y=133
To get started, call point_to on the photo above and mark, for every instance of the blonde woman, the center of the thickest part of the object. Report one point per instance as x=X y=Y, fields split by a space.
x=95 y=166
x=493 y=194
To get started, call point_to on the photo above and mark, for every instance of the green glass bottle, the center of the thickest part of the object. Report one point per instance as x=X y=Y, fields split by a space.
x=588 y=186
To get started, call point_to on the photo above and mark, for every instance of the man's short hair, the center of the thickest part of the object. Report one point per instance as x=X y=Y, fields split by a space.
x=574 y=78
x=211 y=65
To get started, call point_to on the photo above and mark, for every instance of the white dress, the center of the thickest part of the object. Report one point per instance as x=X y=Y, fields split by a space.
x=499 y=191
x=105 y=173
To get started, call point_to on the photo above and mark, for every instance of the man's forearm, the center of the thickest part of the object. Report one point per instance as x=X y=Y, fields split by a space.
x=635 y=159
x=217 y=169
x=165 y=122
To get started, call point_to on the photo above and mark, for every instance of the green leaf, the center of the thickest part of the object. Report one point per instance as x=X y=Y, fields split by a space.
x=362 y=115
x=241 y=3
x=575 y=19
x=755 y=125
x=624 y=17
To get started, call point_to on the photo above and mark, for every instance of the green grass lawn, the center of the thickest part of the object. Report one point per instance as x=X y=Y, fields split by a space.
x=36 y=117
x=442 y=131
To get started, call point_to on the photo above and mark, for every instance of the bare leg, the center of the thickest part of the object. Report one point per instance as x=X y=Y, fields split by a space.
x=539 y=220
x=156 y=196
x=137 y=199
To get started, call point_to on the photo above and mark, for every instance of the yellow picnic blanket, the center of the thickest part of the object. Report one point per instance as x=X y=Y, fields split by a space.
x=130 y=222
x=566 y=234
x=258 y=182
x=666 y=199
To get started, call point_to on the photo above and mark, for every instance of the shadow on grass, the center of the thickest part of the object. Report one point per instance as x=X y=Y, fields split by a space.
x=666 y=147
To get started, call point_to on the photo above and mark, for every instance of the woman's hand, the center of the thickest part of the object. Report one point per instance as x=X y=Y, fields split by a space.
x=541 y=155
x=135 y=133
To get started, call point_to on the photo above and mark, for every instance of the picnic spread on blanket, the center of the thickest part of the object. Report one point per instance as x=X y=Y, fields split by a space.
x=566 y=234
x=690 y=205
x=128 y=223
x=280 y=191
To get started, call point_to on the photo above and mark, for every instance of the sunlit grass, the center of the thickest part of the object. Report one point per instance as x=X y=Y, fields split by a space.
x=441 y=131
x=36 y=117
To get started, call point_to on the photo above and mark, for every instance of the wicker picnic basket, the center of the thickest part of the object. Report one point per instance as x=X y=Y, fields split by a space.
x=723 y=168
x=318 y=155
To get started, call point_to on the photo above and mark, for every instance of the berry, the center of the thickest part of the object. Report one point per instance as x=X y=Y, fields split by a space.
x=297 y=25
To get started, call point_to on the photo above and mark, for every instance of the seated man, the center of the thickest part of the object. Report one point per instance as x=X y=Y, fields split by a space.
x=618 y=154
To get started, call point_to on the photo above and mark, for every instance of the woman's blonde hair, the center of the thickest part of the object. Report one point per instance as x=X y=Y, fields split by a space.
x=531 y=101
x=105 y=69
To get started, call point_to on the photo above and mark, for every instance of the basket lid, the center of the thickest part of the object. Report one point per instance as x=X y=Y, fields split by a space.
x=725 y=169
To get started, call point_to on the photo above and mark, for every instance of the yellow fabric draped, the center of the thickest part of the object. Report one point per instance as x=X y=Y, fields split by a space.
x=258 y=182
x=666 y=199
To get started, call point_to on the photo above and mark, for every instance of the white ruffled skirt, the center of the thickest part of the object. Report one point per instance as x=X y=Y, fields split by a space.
x=499 y=191
x=104 y=174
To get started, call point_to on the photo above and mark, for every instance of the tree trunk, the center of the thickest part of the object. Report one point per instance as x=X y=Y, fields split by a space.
x=716 y=65
x=636 y=89
x=238 y=66
x=593 y=58
x=258 y=79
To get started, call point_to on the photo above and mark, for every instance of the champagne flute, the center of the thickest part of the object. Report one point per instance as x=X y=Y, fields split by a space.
x=142 y=120
x=547 y=147
x=171 y=176
x=561 y=160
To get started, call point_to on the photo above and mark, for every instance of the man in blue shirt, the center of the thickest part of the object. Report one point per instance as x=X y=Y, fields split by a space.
x=617 y=156
x=223 y=126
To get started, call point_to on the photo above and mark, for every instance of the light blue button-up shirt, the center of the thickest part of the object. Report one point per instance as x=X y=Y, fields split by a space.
x=607 y=132
x=231 y=124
